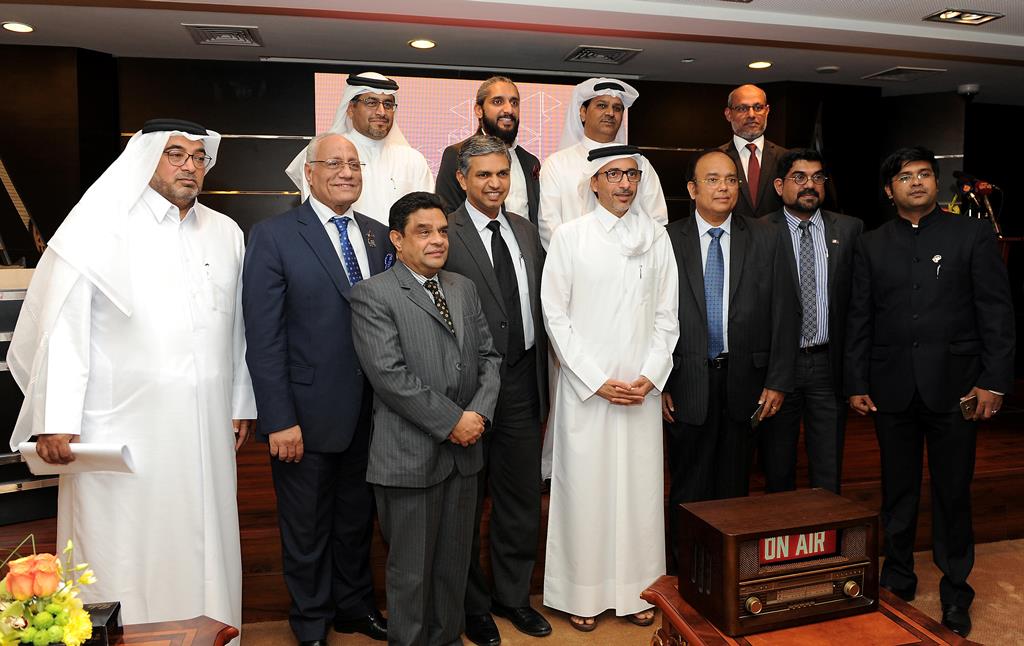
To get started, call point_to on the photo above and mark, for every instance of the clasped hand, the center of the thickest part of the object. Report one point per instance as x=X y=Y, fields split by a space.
x=622 y=393
x=468 y=429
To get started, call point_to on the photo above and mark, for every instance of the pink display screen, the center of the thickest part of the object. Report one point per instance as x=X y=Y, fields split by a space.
x=434 y=113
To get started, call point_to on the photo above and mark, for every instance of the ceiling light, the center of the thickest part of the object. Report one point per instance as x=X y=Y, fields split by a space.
x=19 y=27
x=760 y=65
x=688 y=60
x=422 y=43
x=971 y=17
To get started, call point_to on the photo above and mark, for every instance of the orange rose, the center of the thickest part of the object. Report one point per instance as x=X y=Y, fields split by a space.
x=37 y=575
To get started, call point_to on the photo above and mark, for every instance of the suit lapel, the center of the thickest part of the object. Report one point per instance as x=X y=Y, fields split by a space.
x=737 y=255
x=692 y=265
x=768 y=163
x=470 y=238
x=418 y=294
x=455 y=306
x=529 y=253
x=375 y=247
x=312 y=231
x=526 y=163
x=831 y=234
x=786 y=240
x=745 y=185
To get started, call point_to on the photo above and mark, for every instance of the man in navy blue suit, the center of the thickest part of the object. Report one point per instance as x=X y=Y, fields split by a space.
x=314 y=402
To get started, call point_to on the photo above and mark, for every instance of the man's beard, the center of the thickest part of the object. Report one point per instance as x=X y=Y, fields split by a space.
x=798 y=207
x=508 y=136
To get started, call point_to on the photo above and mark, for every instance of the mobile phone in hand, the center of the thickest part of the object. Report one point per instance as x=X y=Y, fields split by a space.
x=968 y=406
x=755 y=419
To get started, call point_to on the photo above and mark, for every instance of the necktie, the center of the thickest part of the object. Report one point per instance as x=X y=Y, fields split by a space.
x=348 y=255
x=714 y=286
x=440 y=303
x=808 y=283
x=753 y=174
x=505 y=272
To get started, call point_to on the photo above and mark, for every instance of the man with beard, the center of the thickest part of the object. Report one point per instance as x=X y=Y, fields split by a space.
x=929 y=350
x=817 y=246
x=392 y=168
x=594 y=119
x=131 y=333
x=746 y=110
x=497 y=108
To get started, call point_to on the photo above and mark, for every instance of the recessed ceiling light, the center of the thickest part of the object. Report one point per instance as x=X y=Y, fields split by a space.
x=827 y=69
x=19 y=27
x=422 y=43
x=688 y=60
x=971 y=17
x=760 y=65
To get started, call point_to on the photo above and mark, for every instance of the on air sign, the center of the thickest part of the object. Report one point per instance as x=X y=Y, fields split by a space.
x=794 y=547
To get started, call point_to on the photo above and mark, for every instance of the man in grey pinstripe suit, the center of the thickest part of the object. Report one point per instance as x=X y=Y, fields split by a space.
x=424 y=344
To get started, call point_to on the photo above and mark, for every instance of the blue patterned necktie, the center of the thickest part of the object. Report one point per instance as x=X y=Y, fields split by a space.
x=348 y=255
x=808 y=284
x=714 y=286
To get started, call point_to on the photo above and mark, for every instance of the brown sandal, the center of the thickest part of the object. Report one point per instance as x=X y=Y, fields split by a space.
x=641 y=621
x=579 y=623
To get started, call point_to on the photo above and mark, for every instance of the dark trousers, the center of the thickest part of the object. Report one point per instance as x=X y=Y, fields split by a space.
x=951 y=443
x=325 y=512
x=429 y=533
x=813 y=401
x=708 y=461
x=512 y=448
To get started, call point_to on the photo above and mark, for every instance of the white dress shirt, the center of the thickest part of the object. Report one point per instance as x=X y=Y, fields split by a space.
x=705 y=242
x=516 y=201
x=355 y=236
x=480 y=221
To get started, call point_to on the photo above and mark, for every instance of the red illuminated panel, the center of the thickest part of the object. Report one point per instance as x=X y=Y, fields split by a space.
x=795 y=547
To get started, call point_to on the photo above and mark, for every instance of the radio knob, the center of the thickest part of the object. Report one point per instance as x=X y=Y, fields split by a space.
x=754 y=605
x=851 y=589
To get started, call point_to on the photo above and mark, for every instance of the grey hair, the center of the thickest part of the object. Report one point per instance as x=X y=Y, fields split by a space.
x=481 y=93
x=479 y=145
x=314 y=145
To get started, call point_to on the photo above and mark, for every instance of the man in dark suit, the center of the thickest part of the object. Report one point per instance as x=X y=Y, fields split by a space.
x=313 y=400
x=746 y=110
x=501 y=253
x=424 y=343
x=818 y=249
x=737 y=338
x=930 y=330
x=497 y=109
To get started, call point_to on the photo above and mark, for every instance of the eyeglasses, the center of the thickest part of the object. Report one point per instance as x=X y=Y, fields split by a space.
x=801 y=178
x=615 y=175
x=373 y=104
x=335 y=164
x=921 y=176
x=731 y=181
x=758 y=108
x=178 y=157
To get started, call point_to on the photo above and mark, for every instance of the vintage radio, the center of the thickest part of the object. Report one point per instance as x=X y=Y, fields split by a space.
x=767 y=562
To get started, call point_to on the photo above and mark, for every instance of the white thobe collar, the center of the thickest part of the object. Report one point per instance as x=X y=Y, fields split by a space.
x=607 y=219
x=325 y=213
x=741 y=143
x=161 y=208
x=362 y=142
x=703 y=226
x=590 y=144
x=481 y=219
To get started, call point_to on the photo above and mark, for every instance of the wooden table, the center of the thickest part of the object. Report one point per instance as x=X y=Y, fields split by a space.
x=198 y=631
x=895 y=623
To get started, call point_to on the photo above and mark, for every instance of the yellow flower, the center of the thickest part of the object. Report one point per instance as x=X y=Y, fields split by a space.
x=87 y=578
x=79 y=628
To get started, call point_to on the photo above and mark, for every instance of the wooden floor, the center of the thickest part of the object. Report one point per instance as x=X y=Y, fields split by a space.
x=997 y=500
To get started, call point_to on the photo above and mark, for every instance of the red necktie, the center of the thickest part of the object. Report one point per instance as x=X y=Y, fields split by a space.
x=753 y=174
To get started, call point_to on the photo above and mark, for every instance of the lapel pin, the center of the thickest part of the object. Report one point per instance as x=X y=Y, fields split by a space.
x=389 y=260
x=370 y=240
x=835 y=241
x=937 y=259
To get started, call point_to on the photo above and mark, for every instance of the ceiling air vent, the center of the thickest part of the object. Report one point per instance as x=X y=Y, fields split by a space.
x=602 y=55
x=225 y=35
x=903 y=74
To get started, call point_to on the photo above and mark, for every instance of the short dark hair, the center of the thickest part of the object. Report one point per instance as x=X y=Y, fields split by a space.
x=479 y=145
x=894 y=162
x=791 y=157
x=409 y=204
x=691 y=169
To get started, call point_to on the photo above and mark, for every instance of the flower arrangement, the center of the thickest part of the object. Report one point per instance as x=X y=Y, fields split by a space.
x=39 y=601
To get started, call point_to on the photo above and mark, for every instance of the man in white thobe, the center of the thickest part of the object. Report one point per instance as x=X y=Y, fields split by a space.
x=594 y=119
x=609 y=296
x=391 y=167
x=131 y=333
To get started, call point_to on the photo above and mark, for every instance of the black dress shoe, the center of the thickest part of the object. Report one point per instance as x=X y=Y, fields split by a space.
x=907 y=594
x=373 y=625
x=480 y=630
x=957 y=619
x=525 y=619
x=314 y=642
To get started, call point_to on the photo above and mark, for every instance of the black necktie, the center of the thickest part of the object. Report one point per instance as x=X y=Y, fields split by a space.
x=505 y=272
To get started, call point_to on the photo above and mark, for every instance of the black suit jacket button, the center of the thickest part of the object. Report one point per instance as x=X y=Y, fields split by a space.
x=915 y=344
x=916 y=286
x=458 y=366
x=915 y=317
x=504 y=324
